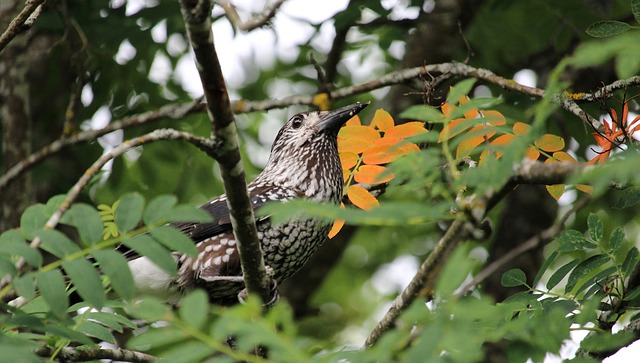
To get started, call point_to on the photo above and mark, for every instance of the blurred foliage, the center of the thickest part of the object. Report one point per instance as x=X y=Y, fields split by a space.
x=581 y=283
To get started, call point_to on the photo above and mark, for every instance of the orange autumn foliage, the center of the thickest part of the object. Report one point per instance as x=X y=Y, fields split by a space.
x=364 y=150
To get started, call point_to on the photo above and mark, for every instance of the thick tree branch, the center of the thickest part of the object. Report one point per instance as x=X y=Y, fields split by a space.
x=197 y=18
x=69 y=354
x=210 y=146
x=24 y=21
x=253 y=23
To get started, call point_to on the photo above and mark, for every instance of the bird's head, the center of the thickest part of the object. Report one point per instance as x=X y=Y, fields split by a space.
x=306 y=148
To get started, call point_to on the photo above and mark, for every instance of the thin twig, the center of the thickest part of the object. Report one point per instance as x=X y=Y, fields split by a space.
x=257 y=21
x=207 y=145
x=22 y=22
x=196 y=15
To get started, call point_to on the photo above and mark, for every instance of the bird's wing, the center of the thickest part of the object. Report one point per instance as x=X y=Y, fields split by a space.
x=259 y=195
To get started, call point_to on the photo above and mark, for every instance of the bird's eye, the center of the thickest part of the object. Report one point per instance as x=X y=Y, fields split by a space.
x=296 y=122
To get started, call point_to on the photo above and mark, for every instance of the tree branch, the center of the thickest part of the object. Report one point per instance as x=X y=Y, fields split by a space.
x=210 y=146
x=22 y=22
x=84 y=354
x=257 y=21
x=456 y=232
x=172 y=111
x=460 y=229
x=177 y=110
x=539 y=239
x=196 y=15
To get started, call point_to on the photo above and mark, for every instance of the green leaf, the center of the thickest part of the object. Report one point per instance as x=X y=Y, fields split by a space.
x=175 y=240
x=157 y=208
x=635 y=9
x=460 y=89
x=156 y=337
x=607 y=28
x=194 y=309
x=630 y=262
x=599 y=280
x=86 y=280
x=572 y=240
x=596 y=229
x=547 y=263
x=52 y=287
x=626 y=198
x=583 y=269
x=32 y=220
x=111 y=320
x=605 y=342
x=88 y=222
x=25 y=286
x=129 y=211
x=632 y=294
x=186 y=213
x=189 y=351
x=455 y=271
x=16 y=348
x=7 y=267
x=514 y=277
x=56 y=243
x=422 y=113
x=115 y=266
x=147 y=246
x=96 y=330
x=615 y=241
x=150 y=309
x=12 y=244
x=561 y=273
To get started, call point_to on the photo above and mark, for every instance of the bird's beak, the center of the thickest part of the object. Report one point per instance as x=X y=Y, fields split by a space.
x=336 y=118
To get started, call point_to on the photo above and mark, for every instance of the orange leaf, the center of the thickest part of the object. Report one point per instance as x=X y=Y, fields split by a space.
x=532 y=153
x=447 y=109
x=555 y=190
x=348 y=160
x=382 y=120
x=337 y=225
x=585 y=188
x=361 y=198
x=345 y=175
x=563 y=156
x=389 y=141
x=388 y=149
x=372 y=174
x=476 y=136
x=520 y=128
x=406 y=130
x=455 y=127
x=550 y=143
x=354 y=121
x=352 y=145
x=494 y=117
x=503 y=140
x=382 y=154
x=473 y=113
x=364 y=133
